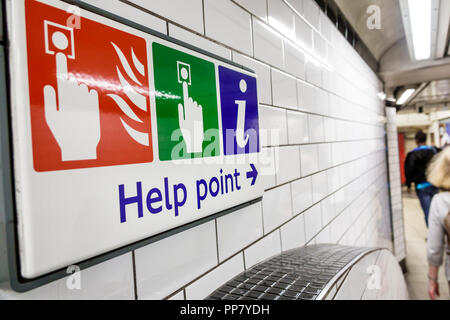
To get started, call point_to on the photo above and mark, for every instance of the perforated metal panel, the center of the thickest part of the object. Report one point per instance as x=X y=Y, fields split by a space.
x=300 y=274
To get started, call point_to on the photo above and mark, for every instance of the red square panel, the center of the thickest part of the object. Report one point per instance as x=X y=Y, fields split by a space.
x=89 y=92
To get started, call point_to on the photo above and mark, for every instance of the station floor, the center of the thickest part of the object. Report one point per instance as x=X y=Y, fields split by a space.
x=416 y=252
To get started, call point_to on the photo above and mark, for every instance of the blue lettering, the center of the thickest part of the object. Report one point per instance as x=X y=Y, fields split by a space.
x=236 y=175
x=151 y=200
x=201 y=196
x=166 y=192
x=216 y=192
x=229 y=177
x=177 y=203
x=130 y=200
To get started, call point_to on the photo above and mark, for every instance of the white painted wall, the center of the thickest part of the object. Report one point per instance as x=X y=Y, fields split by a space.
x=331 y=186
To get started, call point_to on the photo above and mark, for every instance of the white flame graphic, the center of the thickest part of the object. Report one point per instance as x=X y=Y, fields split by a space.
x=136 y=98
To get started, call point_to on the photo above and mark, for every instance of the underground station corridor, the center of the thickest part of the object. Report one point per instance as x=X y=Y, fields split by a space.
x=223 y=150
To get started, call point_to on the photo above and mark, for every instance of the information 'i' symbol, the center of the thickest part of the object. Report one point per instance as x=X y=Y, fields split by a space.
x=240 y=123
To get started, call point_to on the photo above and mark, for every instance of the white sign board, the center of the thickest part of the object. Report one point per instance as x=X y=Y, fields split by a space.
x=119 y=135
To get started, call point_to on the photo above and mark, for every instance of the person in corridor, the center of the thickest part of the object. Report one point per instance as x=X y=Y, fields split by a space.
x=415 y=167
x=439 y=228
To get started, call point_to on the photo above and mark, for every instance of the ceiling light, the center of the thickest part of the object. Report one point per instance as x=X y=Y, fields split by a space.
x=405 y=96
x=420 y=19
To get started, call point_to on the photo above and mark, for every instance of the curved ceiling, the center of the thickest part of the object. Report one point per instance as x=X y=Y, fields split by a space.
x=389 y=44
x=377 y=41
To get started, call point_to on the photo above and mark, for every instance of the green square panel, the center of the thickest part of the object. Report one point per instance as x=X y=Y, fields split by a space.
x=186 y=105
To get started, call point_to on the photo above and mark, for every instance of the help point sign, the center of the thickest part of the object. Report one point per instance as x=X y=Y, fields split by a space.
x=119 y=135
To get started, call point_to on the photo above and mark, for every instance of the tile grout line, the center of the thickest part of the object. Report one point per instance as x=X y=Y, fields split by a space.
x=133 y=257
x=217 y=240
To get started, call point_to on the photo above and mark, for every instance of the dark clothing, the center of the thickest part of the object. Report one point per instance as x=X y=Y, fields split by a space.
x=425 y=196
x=416 y=164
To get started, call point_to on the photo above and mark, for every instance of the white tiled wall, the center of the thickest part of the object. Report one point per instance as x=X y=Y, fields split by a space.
x=395 y=183
x=112 y=279
x=239 y=229
x=265 y=248
x=165 y=266
x=214 y=279
x=326 y=137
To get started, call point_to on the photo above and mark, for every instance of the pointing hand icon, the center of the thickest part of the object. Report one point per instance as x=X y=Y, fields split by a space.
x=72 y=113
x=190 y=117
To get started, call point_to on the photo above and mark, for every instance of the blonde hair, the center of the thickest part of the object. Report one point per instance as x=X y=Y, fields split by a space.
x=438 y=173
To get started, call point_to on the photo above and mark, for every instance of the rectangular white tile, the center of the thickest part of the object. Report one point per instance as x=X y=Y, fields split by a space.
x=258 y=8
x=293 y=233
x=325 y=160
x=301 y=195
x=186 y=13
x=319 y=186
x=330 y=129
x=281 y=17
x=195 y=40
x=327 y=77
x=316 y=129
x=109 y=280
x=336 y=153
x=206 y=285
x=311 y=11
x=165 y=266
x=314 y=73
x=284 y=88
x=268 y=167
x=268 y=45
x=131 y=13
x=324 y=236
x=322 y=101
x=277 y=207
x=298 y=130
x=339 y=201
x=313 y=222
x=326 y=27
x=328 y=209
x=273 y=126
x=303 y=33
x=309 y=159
x=262 y=71
x=320 y=47
x=296 y=5
x=306 y=96
x=289 y=164
x=237 y=230
x=227 y=23
x=294 y=60
x=264 y=249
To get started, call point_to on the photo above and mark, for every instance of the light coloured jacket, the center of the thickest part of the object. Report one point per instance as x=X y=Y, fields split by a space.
x=438 y=239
